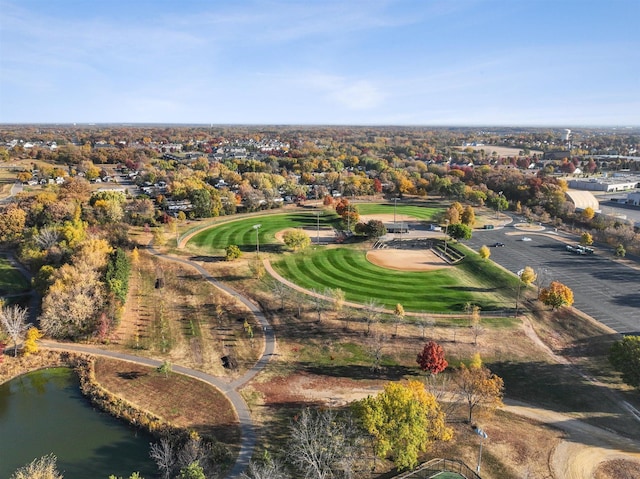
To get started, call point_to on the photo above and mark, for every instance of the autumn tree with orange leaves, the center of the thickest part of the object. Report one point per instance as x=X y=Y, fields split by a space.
x=432 y=358
x=556 y=295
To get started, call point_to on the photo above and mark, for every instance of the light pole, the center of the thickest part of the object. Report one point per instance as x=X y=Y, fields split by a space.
x=257 y=227
x=446 y=227
x=483 y=436
x=519 y=273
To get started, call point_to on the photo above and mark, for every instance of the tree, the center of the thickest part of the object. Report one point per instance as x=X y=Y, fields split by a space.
x=556 y=295
x=164 y=455
x=12 y=223
x=424 y=322
x=586 y=239
x=478 y=386
x=318 y=303
x=372 y=312
x=70 y=308
x=296 y=239
x=476 y=326
x=134 y=475
x=588 y=213
x=14 y=322
x=323 y=445
x=280 y=291
x=398 y=316
x=459 y=231
x=527 y=276
x=338 y=299
x=375 y=229
x=268 y=469
x=484 y=252
x=453 y=215
x=625 y=357
x=30 y=345
x=432 y=358
x=468 y=216
x=192 y=471
x=620 y=252
x=375 y=343
x=232 y=252
x=44 y=467
x=117 y=274
x=165 y=368
x=404 y=420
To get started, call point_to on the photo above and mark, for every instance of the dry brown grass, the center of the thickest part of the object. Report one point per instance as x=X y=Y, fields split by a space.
x=188 y=321
x=180 y=400
x=618 y=469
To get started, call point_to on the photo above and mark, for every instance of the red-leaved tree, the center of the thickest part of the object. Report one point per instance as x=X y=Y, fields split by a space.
x=432 y=358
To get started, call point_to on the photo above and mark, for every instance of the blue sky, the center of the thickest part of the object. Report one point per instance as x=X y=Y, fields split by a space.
x=343 y=62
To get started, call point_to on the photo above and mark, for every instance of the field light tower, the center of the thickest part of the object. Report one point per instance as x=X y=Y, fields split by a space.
x=483 y=436
x=257 y=227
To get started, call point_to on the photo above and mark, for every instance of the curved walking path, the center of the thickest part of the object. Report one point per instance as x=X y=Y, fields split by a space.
x=228 y=388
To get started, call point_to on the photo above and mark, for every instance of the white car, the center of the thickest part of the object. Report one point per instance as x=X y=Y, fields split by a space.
x=526 y=238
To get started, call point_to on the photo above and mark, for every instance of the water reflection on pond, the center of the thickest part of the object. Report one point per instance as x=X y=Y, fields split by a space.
x=44 y=412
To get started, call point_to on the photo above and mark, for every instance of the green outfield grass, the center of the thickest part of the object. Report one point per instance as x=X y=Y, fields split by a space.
x=445 y=290
x=243 y=234
x=420 y=212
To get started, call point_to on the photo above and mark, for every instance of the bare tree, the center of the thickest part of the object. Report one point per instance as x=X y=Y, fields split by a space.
x=372 y=311
x=338 y=298
x=375 y=345
x=47 y=237
x=476 y=327
x=14 y=322
x=41 y=468
x=280 y=291
x=324 y=445
x=439 y=385
x=264 y=470
x=425 y=322
x=298 y=298
x=543 y=276
x=318 y=303
x=164 y=456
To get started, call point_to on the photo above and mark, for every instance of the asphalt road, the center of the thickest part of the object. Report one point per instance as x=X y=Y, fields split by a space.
x=606 y=290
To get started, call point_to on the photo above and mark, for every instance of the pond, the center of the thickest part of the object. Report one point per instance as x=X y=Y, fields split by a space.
x=44 y=412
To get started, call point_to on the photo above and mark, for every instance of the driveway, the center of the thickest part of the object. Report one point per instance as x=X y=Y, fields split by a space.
x=606 y=290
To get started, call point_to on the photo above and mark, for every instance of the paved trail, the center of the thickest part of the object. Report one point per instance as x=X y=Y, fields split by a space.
x=228 y=388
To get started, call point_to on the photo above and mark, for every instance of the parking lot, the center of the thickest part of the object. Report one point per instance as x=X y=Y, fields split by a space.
x=604 y=289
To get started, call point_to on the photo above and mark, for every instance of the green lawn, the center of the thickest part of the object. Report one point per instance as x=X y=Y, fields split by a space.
x=348 y=269
x=420 y=212
x=243 y=234
x=11 y=281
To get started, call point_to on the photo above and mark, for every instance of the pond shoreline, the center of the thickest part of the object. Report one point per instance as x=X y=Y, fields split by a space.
x=83 y=364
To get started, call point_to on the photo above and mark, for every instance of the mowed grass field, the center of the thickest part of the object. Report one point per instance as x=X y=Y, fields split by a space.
x=420 y=212
x=443 y=290
x=242 y=233
x=472 y=281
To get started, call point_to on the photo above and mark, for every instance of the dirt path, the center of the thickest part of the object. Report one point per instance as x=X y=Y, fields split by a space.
x=585 y=447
